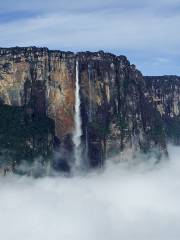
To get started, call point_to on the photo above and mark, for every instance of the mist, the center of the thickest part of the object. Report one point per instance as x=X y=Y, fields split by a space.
x=124 y=201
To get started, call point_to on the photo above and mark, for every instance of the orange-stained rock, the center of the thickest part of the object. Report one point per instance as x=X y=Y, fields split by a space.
x=115 y=108
x=41 y=80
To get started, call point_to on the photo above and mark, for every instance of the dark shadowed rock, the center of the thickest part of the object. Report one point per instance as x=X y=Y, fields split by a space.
x=164 y=95
x=38 y=86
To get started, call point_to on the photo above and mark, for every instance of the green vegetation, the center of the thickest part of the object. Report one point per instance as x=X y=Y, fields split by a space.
x=122 y=122
x=157 y=131
x=101 y=129
x=172 y=129
x=23 y=139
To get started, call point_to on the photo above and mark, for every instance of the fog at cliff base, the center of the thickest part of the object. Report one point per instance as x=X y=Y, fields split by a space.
x=125 y=201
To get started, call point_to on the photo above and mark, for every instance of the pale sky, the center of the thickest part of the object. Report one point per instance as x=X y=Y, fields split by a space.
x=147 y=32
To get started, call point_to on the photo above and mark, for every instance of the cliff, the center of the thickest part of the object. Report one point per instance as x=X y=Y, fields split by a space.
x=164 y=94
x=37 y=104
x=116 y=113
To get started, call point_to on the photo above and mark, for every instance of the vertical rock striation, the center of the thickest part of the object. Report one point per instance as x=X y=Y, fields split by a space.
x=164 y=94
x=37 y=99
x=40 y=85
x=116 y=113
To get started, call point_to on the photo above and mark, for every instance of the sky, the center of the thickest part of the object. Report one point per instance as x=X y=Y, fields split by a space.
x=146 y=31
x=139 y=202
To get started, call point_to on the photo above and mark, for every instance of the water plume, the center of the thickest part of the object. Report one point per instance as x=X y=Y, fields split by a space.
x=77 y=120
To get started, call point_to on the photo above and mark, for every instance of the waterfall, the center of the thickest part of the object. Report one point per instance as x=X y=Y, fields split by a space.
x=86 y=146
x=77 y=119
x=90 y=94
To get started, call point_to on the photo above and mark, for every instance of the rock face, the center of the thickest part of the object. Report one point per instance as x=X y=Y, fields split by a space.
x=37 y=98
x=164 y=94
x=116 y=113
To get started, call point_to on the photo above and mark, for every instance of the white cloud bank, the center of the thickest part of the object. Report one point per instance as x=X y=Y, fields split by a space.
x=145 y=31
x=128 y=203
x=115 y=30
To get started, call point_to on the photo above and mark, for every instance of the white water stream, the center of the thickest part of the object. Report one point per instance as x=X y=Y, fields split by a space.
x=77 y=119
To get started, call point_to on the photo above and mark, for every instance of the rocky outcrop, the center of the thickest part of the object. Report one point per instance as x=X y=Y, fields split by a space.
x=26 y=131
x=37 y=97
x=163 y=93
x=116 y=113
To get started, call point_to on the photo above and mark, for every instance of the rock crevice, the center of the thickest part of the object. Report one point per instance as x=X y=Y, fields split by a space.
x=120 y=109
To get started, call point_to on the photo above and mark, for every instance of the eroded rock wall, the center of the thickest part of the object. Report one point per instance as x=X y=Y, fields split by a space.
x=115 y=107
x=116 y=112
x=40 y=83
x=163 y=93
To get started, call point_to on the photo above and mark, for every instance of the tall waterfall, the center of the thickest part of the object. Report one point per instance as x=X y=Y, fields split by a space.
x=90 y=93
x=77 y=119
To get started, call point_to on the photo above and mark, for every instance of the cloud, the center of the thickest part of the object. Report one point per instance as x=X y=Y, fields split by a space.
x=132 y=30
x=145 y=27
x=123 y=202
x=72 y=5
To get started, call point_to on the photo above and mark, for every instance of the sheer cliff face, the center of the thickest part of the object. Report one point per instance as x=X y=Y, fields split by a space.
x=41 y=81
x=116 y=114
x=163 y=93
x=40 y=86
